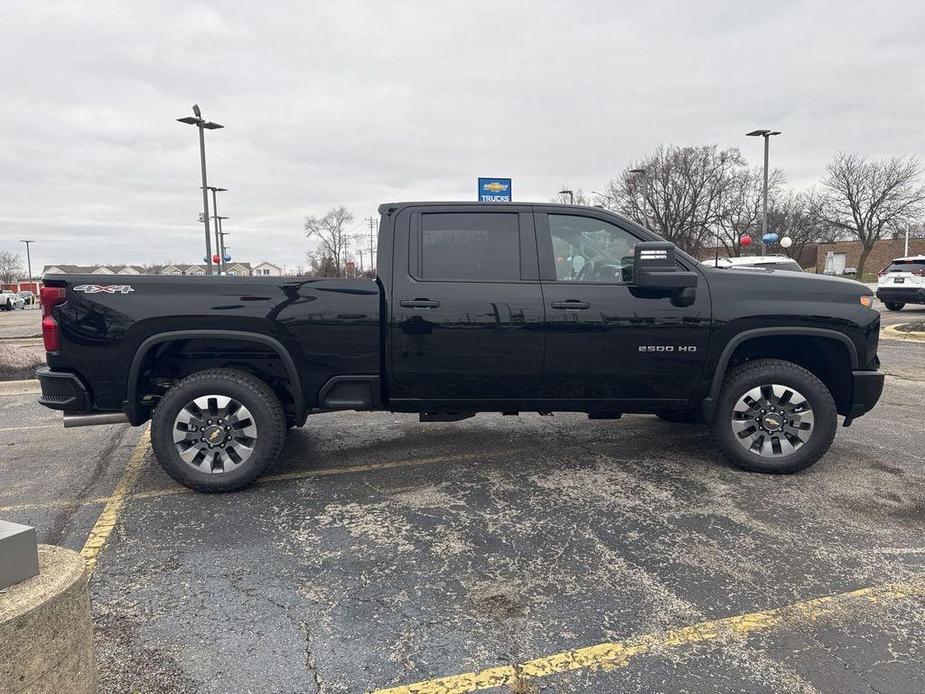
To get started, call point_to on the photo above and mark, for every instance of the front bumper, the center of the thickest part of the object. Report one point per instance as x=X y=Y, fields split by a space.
x=62 y=390
x=866 y=389
x=901 y=295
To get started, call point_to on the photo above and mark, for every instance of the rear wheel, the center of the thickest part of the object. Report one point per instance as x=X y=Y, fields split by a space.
x=774 y=416
x=893 y=306
x=218 y=430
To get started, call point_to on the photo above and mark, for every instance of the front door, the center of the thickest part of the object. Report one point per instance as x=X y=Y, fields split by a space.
x=467 y=317
x=606 y=340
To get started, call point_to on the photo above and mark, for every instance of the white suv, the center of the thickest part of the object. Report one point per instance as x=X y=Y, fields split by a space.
x=903 y=282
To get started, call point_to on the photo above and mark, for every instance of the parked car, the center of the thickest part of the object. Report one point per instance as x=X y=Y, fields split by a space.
x=474 y=309
x=768 y=262
x=902 y=282
x=27 y=297
x=10 y=300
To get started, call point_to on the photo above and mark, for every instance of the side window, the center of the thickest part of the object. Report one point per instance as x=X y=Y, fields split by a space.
x=591 y=250
x=470 y=246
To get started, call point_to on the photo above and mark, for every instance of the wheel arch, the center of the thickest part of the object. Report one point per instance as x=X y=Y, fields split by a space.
x=132 y=406
x=755 y=336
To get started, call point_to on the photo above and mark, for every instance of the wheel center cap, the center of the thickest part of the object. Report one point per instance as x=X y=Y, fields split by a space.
x=214 y=435
x=772 y=422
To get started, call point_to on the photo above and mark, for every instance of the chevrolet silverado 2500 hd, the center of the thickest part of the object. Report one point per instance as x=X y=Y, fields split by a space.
x=477 y=307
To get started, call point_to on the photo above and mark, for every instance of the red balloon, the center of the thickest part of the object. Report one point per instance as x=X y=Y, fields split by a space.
x=746 y=241
x=215 y=258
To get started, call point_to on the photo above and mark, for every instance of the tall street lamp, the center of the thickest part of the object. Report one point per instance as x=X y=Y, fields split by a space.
x=218 y=226
x=571 y=196
x=203 y=125
x=29 y=257
x=767 y=135
x=645 y=194
x=220 y=242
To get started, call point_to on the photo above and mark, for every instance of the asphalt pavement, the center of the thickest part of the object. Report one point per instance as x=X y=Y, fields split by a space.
x=539 y=554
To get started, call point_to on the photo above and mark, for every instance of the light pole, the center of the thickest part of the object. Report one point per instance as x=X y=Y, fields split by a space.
x=218 y=226
x=767 y=135
x=220 y=241
x=29 y=257
x=645 y=194
x=203 y=125
x=571 y=196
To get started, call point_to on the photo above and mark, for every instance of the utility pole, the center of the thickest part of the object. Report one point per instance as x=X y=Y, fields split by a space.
x=372 y=225
x=29 y=257
x=203 y=125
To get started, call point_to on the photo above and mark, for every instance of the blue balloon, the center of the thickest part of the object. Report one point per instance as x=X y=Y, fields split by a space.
x=770 y=238
x=227 y=258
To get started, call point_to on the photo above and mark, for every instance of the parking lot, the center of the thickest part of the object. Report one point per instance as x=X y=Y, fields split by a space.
x=504 y=554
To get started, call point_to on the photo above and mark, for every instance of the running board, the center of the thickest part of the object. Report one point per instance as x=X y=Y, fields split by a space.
x=94 y=419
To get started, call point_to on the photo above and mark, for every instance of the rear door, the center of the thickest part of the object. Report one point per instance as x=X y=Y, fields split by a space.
x=903 y=274
x=466 y=310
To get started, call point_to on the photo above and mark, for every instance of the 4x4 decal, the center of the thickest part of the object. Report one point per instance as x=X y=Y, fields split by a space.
x=104 y=288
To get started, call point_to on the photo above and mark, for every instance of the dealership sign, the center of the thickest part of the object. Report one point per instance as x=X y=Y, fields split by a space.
x=494 y=190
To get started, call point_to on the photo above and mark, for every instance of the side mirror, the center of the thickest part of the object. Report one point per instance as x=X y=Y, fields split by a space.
x=655 y=267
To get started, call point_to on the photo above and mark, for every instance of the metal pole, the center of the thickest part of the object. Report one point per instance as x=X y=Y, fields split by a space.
x=221 y=246
x=29 y=257
x=218 y=226
x=905 y=252
x=645 y=199
x=205 y=198
x=764 y=205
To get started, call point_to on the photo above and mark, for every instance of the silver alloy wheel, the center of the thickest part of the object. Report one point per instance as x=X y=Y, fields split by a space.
x=214 y=434
x=772 y=420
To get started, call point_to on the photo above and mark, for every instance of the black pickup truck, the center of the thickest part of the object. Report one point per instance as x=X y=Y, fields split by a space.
x=477 y=307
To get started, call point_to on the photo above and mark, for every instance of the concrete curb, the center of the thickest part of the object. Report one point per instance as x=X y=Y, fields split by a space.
x=891 y=332
x=46 y=632
x=28 y=387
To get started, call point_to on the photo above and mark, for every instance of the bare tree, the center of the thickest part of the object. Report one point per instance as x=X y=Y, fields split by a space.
x=332 y=235
x=869 y=199
x=740 y=206
x=322 y=265
x=683 y=188
x=578 y=197
x=800 y=216
x=10 y=267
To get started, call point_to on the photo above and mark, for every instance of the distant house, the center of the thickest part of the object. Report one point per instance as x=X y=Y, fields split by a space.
x=93 y=270
x=232 y=269
x=266 y=269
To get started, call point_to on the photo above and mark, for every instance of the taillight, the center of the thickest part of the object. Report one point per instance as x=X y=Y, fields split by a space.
x=51 y=297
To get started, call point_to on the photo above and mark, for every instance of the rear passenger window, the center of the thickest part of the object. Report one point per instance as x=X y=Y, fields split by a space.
x=470 y=246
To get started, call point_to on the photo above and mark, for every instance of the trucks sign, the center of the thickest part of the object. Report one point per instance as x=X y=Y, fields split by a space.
x=494 y=190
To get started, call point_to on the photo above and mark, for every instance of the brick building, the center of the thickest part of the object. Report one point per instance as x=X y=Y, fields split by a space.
x=835 y=258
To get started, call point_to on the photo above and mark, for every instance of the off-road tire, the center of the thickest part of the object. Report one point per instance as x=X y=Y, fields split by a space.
x=893 y=306
x=742 y=378
x=247 y=389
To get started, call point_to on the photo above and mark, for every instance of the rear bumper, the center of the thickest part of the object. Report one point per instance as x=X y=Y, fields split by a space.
x=62 y=390
x=901 y=295
x=866 y=389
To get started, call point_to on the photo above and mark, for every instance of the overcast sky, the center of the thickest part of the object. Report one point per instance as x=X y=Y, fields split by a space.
x=334 y=103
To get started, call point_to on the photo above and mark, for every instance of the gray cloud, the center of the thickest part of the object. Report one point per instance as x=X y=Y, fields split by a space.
x=359 y=103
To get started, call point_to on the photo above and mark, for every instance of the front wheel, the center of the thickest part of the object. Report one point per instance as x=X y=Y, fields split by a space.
x=893 y=306
x=218 y=430
x=774 y=416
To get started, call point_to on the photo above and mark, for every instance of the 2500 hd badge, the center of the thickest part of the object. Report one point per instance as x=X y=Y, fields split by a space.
x=667 y=348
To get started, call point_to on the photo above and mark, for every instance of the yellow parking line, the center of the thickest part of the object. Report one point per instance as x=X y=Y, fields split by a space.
x=619 y=654
x=105 y=524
